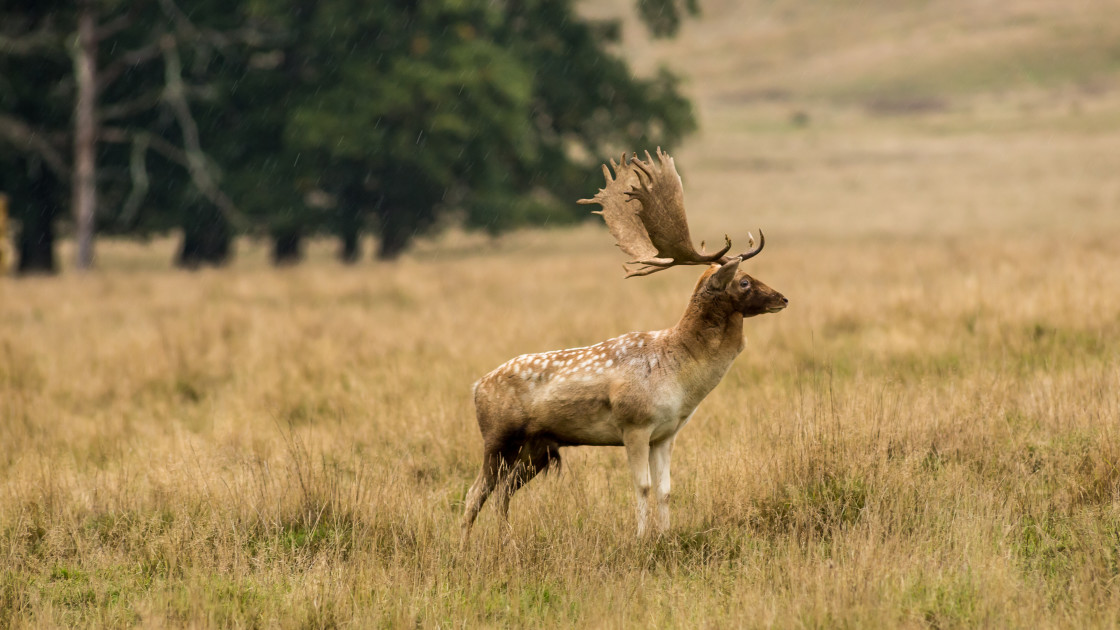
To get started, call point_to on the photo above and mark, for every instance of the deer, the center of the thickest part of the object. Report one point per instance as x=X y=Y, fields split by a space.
x=637 y=390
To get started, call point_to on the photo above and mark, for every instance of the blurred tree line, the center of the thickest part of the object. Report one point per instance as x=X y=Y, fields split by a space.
x=290 y=118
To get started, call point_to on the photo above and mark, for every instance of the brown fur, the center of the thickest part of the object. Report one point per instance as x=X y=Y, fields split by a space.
x=637 y=391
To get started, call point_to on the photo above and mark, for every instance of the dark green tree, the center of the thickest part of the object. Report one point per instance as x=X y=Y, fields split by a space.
x=664 y=16
x=34 y=162
x=99 y=102
x=293 y=117
x=408 y=111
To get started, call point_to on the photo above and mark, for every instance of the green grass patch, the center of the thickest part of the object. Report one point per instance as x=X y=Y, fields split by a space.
x=817 y=509
x=944 y=601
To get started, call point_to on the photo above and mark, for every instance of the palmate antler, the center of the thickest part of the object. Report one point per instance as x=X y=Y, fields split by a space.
x=655 y=229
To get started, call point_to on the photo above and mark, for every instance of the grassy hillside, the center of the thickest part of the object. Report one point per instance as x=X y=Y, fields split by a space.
x=928 y=437
x=842 y=51
x=922 y=118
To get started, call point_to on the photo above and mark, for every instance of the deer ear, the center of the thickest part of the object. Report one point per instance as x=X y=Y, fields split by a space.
x=723 y=276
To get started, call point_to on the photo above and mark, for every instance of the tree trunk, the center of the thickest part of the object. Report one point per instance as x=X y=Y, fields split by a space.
x=351 y=247
x=350 y=229
x=207 y=239
x=36 y=246
x=36 y=234
x=5 y=252
x=287 y=247
x=394 y=234
x=85 y=135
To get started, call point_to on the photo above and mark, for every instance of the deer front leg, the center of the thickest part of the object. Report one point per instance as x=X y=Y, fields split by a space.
x=659 y=456
x=636 y=442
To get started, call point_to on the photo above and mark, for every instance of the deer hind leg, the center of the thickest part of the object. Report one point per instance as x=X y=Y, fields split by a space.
x=492 y=464
x=534 y=457
x=659 y=456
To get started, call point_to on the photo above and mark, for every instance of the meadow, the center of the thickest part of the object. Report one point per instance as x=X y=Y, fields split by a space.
x=928 y=437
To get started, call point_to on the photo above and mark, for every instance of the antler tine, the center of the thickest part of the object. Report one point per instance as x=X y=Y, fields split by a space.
x=643 y=168
x=618 y=168
x=754 y=251
x=652 y=265
x=646 y=168
x=621 y=162
x=644 y=271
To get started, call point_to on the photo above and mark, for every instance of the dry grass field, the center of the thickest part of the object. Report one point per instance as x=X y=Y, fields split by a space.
x=928 y=437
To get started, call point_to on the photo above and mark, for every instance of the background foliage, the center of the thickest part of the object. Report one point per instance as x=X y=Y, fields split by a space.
x=294 y=118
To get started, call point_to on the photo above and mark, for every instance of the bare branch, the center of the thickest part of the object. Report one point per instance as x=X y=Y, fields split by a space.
x=19 y=133
x=183 y=22
x=137 y=105
x=199 y=166
x=117 y=24
x=120 y=135
x=42 y=40
x=138 y=170
x=127 y=61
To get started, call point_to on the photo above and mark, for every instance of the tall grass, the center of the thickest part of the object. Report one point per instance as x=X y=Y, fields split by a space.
x=928 y=436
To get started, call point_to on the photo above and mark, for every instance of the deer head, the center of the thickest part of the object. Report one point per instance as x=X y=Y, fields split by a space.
x=727 y=289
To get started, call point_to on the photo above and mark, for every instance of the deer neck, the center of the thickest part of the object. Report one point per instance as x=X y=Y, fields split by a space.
x=709 y=333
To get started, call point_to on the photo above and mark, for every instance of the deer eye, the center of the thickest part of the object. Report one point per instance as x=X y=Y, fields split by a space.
x=745 y=284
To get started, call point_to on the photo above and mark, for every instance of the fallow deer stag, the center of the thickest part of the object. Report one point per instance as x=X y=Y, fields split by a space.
x=637 y=390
